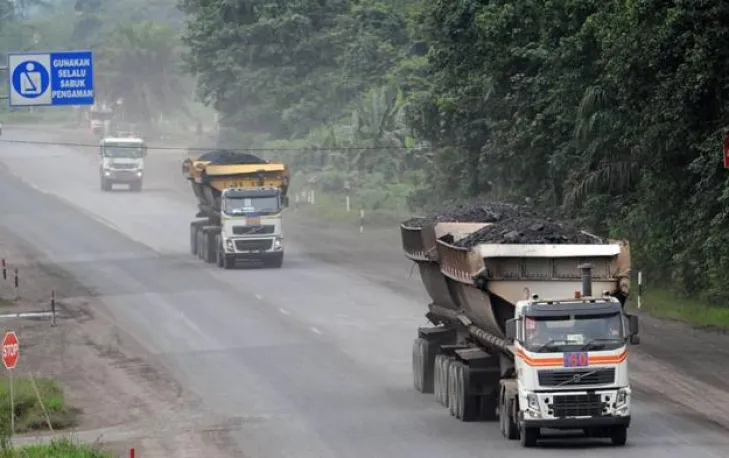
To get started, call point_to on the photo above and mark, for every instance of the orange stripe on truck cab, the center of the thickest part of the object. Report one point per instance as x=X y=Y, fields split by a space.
x=593 y=360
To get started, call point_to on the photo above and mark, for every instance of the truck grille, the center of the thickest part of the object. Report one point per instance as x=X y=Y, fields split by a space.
x=601 y=376
x=253 y=245
x=124 y=166
x=264 y=229
x=577 y=405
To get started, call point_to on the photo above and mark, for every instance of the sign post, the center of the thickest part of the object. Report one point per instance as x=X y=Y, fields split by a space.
x=11 y=353
x=51 y=79
x=726 y=150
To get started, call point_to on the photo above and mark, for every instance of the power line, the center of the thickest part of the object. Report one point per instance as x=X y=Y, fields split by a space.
x=218 y=148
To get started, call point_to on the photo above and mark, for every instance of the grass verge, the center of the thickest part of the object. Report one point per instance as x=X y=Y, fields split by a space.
x=29 y=414
x=332 y=208
x=662 y=303
x=37 y=116
x=63 y=448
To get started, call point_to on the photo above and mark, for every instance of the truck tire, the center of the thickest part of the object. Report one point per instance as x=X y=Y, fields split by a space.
x=423 y=362
x=488 y=408
x=619 y=435
x=200 y=244
x=528 y=437
x=219 y=252
x=509 y=428
x=440 y=379
x=452 y=395
x=105 y=185
x=276 y=261
x=193 y=239
x=466 y=408
x=210 y=247
x=135 y=186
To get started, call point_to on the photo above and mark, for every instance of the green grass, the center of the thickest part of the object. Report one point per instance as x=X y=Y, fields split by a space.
x=29 y=414
x=63 y=448
x=662 y=303
x=331 y=208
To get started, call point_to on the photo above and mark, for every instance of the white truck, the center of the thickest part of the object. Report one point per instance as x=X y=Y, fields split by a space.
x=241 y=199
x=519 y=336
x=121 y=160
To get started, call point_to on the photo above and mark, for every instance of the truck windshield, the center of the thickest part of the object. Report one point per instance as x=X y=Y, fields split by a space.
x=552 y=334
x=131 y=151
x=245 y=205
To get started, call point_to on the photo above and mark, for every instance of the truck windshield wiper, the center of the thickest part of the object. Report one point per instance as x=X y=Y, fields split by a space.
x=549 y=344
x=599 y=342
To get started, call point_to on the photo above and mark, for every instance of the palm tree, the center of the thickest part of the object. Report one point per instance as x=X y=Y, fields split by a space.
x=140 y=65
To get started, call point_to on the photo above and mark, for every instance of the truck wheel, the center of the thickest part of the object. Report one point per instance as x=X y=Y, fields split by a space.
x=136 y=186
x=277 y=261
x=228 y=261
x=452 y=394
x=510 y=429
x=488 y=406
x=466 y=406
x=105 y=185
x=193 y=239
x=200 y=244
x=423 y=361
x=219 y=252
x=619 y=435
x=439 y=378
x=210 y=248
x=529 y=436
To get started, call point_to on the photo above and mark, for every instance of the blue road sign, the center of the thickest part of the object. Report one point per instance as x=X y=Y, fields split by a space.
x=50 y=79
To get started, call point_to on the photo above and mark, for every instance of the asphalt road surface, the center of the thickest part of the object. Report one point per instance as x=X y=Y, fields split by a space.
x=311 y=360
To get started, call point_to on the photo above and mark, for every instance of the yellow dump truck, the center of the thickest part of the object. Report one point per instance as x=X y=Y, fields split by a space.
x=241 y=198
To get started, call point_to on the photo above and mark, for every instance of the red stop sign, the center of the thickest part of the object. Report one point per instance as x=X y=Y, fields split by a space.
x=11 y=350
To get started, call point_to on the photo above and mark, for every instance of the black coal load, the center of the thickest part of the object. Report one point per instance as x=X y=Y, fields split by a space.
x=227 y=157
x=528 y=230
x=490 y=212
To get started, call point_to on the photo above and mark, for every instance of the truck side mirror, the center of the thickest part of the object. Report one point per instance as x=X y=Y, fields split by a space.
x=635 y=339
x=285 y=201
x=510 y=329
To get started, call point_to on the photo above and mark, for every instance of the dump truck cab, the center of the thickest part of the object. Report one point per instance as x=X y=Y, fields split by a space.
x=571 y=364
x=121 y=160
x=251 y=224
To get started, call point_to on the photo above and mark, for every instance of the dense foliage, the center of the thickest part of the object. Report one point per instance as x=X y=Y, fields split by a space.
x=612 y=112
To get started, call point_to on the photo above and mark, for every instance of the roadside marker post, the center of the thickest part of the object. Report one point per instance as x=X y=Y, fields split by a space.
x=11 y=354
x=53 y=307
x=51 y=79
x=17 y=285
x=640 y=289
x=5 y=270
x=131 y=453
x=361 y=221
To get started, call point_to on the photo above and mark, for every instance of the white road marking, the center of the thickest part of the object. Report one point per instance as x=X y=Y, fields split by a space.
x=315 y=330
x=284 y=311
x=259 y=297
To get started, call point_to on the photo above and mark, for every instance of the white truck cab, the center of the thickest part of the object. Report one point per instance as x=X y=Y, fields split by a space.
x=571 y=363
x=121 y=160
x=251 y=225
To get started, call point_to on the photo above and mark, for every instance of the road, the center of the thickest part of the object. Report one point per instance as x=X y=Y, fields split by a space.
x=309 y=361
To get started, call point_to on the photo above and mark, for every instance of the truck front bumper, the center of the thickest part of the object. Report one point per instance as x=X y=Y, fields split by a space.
x=256 y=248
x=123 y=176
x=578 y=423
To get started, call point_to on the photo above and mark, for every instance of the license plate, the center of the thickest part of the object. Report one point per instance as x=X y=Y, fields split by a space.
x=253 y=221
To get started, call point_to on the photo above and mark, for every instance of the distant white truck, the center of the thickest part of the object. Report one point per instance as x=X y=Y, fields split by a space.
x=121 y=160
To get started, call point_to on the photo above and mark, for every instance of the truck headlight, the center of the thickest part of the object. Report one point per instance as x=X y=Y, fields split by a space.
x=278 y=243
x=229 y=245
x=139 y=173
x=621 y=398
x=532 y=401
x=107 y=172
